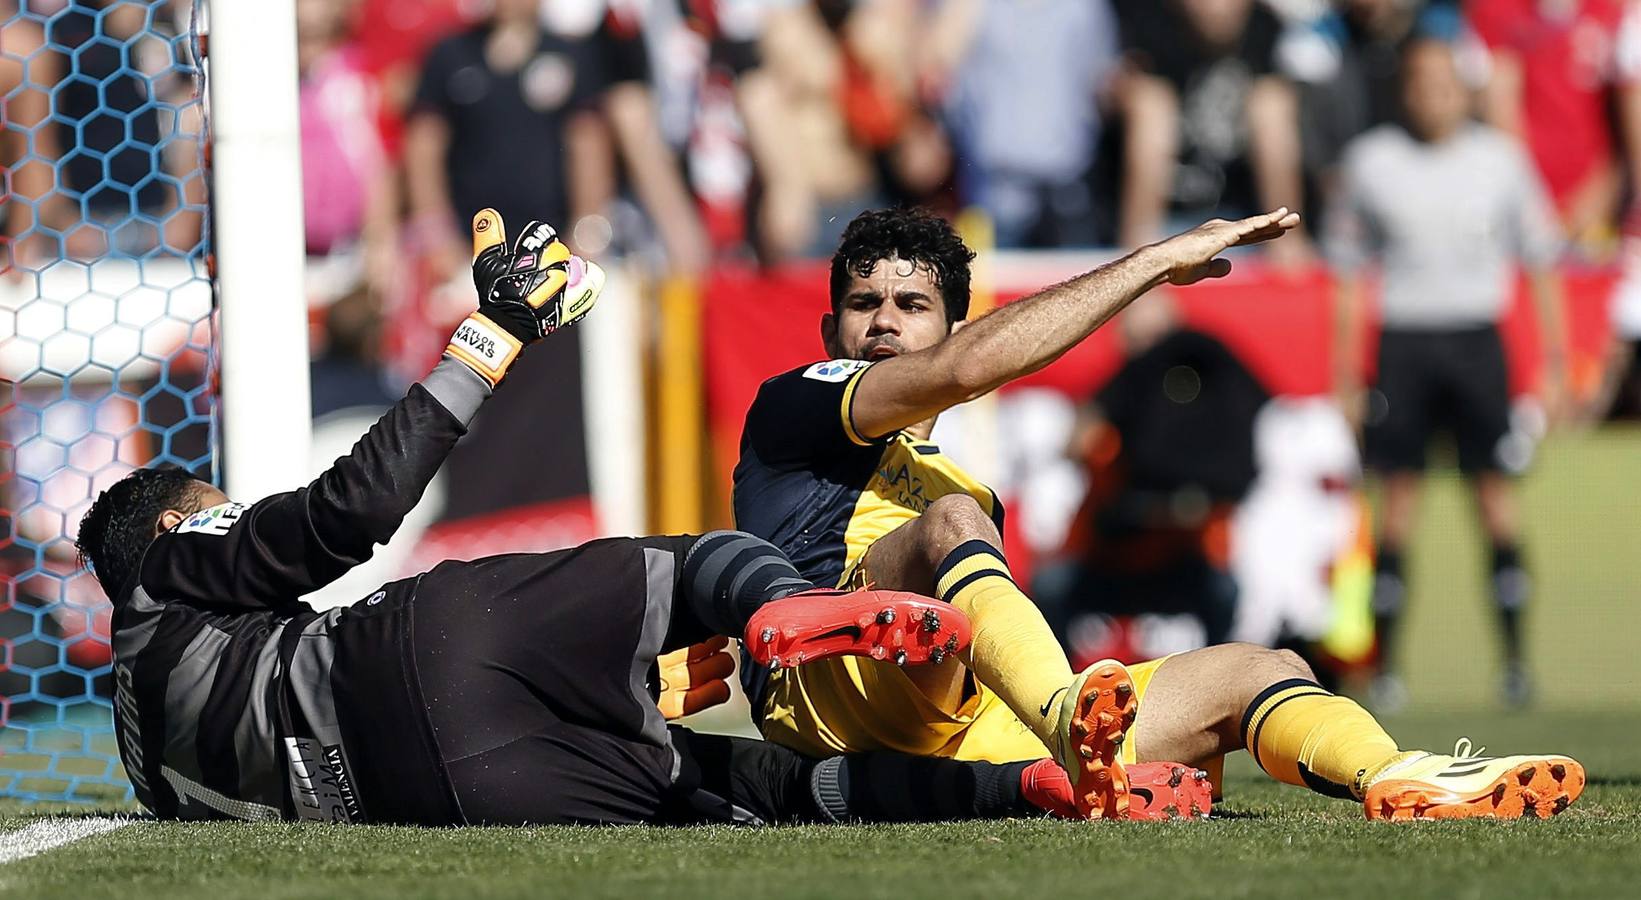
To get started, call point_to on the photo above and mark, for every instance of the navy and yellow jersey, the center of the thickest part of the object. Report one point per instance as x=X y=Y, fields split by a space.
x=812 y=485
x=809 y=482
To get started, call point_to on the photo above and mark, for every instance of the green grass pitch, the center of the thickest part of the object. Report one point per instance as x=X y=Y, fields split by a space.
x=1583 y=512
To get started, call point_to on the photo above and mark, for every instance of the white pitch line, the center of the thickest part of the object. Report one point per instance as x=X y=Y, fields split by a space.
x=49 y=834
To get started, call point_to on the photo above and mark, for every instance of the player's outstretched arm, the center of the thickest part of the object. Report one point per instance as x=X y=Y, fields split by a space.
x=525 y=292
x=296 y=542
x=1027 y=335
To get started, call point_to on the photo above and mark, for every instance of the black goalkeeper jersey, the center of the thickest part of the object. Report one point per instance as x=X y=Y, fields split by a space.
x=235 y=699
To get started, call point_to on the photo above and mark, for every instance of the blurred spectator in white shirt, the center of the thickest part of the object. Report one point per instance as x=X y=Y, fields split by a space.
x=1025 y=113
x=1347 y=65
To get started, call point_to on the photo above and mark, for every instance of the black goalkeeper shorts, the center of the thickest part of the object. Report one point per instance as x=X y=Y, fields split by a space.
x=519 y=690
x=536 y=671
x=1452 y=381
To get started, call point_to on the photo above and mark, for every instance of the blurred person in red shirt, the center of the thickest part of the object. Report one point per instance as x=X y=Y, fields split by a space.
x=1553 y=74
x=393 y=36
x=349 y=190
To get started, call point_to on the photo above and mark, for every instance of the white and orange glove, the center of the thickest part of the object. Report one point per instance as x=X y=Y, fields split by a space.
x=526 y=292
x=694 y=678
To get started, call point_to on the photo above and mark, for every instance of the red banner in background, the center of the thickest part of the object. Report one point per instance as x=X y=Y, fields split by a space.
x=758 y=324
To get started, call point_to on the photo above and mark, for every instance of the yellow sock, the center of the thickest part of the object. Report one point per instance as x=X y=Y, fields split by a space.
x=1013 y=652
x=1302 y=735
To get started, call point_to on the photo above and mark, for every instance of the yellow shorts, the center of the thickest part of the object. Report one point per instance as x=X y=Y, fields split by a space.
x=852 y=704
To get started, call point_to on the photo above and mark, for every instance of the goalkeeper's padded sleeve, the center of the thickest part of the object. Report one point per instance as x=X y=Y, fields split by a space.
x=457 y=389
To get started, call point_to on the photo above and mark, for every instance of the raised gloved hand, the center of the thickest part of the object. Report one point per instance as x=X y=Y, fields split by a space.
x=526 y=292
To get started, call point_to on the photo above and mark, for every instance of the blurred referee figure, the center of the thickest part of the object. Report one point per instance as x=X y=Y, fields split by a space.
x=1447 y=207
x=511 y=689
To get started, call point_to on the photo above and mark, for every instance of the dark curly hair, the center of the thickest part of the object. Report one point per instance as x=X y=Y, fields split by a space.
x=908 y=234
x=120 y=524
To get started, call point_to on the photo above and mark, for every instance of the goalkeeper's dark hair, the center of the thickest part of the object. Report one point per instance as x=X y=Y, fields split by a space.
x=906 y=234
x=120 y=524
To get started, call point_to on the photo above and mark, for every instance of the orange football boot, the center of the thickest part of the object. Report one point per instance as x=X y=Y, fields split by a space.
x=1096 y=712
x=1420 y=785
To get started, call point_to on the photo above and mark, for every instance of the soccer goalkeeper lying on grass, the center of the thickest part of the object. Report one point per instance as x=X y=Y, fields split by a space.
x=506 y=690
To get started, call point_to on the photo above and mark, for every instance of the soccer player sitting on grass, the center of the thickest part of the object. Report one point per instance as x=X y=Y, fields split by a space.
x=837 y=470
x=506 y=690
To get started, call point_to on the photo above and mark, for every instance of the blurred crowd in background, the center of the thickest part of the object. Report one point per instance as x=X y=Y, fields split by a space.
x=689 y=132
x=737 y=127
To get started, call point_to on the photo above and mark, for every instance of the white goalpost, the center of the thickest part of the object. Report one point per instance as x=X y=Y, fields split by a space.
x=257 y=199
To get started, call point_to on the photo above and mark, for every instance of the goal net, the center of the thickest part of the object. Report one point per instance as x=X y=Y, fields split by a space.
x=106 y=345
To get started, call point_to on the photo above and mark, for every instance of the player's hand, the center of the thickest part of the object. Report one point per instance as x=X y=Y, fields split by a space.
x=526 y=292
x=1190 y=257
x=536 y=287
x=694 y=678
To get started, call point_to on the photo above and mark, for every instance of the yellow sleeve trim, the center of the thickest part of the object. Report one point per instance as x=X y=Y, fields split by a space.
x=847 y=409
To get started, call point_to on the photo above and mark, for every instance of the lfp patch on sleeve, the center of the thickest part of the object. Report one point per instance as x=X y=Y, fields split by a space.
x=215 y=520
x=835 y=369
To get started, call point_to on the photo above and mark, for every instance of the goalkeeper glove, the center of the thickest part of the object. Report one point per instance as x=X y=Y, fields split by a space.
x=526 y=292
x=694 y=678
